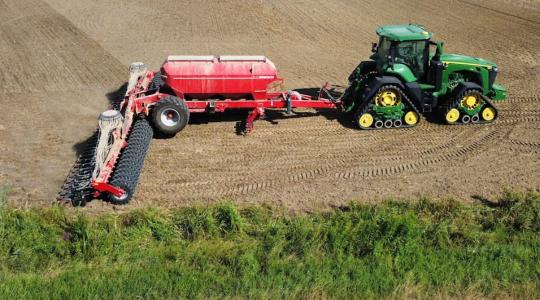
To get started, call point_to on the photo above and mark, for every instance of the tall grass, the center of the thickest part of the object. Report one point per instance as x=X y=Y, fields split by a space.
x=395 y=249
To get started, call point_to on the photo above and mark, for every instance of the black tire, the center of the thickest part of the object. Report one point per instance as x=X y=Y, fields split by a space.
x=179 y=116
x=157 y=82
x=127 y=172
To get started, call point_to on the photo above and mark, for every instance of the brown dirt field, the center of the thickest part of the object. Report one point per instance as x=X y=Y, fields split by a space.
x=63 y=61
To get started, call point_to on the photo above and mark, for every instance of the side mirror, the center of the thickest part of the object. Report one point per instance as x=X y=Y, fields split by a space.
x=374 y=47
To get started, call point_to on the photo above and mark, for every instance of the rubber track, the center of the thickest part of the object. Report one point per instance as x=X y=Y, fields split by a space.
x=367 y=106
x=131 y=161
x=455 y=104
x=76 y=189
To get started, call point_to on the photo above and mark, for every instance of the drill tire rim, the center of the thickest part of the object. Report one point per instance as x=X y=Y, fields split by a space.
x=365 y=120
x=170 y=117
x=488 y=114
x=452 y=115
x=411 y=118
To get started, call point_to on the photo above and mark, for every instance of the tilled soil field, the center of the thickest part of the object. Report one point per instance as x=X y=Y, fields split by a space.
x=63 y=63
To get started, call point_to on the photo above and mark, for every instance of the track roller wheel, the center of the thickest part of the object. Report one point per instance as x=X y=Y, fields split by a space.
x=411 y=118
x=452 y=116
x=488 y=114
x=364 y=120
x=170 y=115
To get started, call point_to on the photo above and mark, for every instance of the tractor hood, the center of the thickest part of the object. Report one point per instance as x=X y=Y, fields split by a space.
x=467 y=60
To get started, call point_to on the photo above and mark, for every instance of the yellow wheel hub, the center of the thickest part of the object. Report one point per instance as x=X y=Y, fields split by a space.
x=452 y=115
x=411 y=118
x=471 y=101
x=387 y=98
x=365 y=120
x=488 y=114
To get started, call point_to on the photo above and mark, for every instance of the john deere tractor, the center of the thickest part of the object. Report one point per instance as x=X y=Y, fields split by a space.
x=409 y=75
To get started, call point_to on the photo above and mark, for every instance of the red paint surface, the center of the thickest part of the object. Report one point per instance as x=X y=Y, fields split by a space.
x=219 y=79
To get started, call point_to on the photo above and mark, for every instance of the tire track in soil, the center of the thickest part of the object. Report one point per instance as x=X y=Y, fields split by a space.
x=209 y=161
x=231 y=184
x=193 y=189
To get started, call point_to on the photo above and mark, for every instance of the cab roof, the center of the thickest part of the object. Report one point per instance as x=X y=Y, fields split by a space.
x=401 y=33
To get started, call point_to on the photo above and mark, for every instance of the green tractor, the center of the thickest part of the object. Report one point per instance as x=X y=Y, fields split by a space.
x=409 y=75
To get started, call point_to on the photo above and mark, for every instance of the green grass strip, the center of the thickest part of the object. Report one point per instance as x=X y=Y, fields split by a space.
x=419 y=249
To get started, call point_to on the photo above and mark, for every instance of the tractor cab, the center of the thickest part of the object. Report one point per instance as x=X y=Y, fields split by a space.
x=404 y=49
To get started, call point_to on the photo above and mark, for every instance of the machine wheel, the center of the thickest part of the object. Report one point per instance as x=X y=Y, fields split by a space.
x=125 y=198
x=452 y=116
x=364 y=120
x=471 y=99
x=411 y=118
x=488 y=114
x=388 y=95
x=128 y=169
x=170 y=115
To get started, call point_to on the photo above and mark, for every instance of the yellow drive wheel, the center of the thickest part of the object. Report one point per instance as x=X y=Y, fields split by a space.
x=387 y=97
x=488 y=114
x=365 y=120
x=452 y=115
x=411 y=118
x=471 y=101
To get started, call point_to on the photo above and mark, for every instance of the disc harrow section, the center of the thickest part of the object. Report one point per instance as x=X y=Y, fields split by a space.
x=77 y=188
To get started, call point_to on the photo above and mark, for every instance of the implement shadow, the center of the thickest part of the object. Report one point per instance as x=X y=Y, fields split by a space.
x=114 y=98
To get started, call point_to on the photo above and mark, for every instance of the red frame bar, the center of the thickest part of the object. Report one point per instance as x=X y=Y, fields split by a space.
x=143 y=104
x=101 y=187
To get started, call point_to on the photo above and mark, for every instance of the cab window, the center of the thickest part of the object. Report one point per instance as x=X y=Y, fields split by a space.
x=412 y=54
x=384 y=49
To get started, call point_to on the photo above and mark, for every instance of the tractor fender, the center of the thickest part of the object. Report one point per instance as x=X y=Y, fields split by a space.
x=363 y=68
x=462 y=86
x=377 y=83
